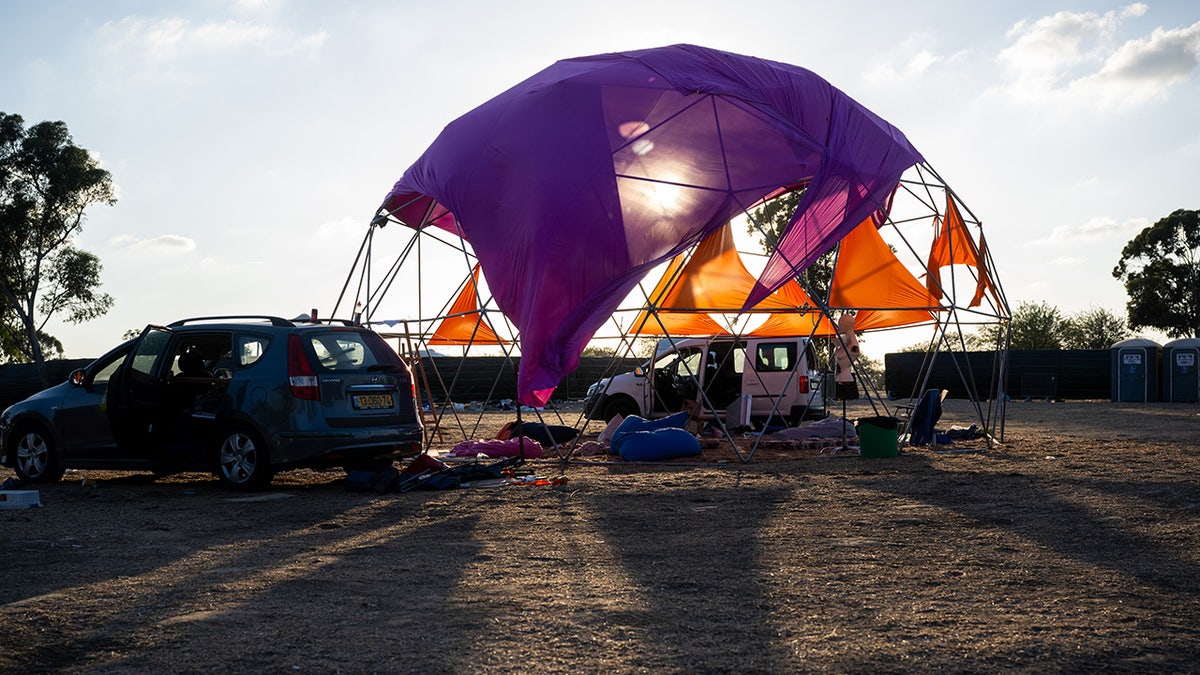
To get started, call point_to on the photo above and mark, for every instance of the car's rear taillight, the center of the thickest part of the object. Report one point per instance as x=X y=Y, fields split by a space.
x=412 y=381
x=803 y=384
x=300 y=372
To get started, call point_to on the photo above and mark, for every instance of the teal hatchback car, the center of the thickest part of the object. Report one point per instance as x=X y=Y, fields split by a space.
x=243 y=396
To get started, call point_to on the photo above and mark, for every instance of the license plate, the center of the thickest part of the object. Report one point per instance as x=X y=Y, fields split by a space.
x=372 y=401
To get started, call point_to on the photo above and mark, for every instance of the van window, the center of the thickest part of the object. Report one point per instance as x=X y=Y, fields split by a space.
x=689 y=365
x=776 y=357
x=726 y=357
x=683 y=363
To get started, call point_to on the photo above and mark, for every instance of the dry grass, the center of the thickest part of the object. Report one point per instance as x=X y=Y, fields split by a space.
x=1074 y=547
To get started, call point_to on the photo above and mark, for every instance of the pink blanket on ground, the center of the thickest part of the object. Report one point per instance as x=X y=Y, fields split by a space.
x=511 y=447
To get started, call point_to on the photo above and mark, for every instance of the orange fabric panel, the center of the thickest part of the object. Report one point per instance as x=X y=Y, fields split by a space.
x=788 y=324
x=668 y=321
x=661 y=290
x=868 y=275
x=792 y=313
x=953 y=246
x=984 y=283
x=790 y=296
x=464 y=330
x=464 y=324
x=676 y=323
x=468 y=299
x=714 y=279
x=872 y=319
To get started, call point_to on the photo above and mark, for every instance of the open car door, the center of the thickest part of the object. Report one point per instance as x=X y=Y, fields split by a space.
x=136 y=392
x=675 y=379
x=84 y=426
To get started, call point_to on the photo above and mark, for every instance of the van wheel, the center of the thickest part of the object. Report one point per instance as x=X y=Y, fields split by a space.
x=34 y=453
x=619 y=405
x=243 y=462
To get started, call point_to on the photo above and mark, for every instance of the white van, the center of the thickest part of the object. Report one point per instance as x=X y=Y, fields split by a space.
x=739 y=379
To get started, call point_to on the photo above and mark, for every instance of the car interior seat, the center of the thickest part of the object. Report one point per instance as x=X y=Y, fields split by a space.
x=191 y=364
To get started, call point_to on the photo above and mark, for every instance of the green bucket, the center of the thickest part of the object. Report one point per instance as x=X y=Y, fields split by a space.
x=878 y=436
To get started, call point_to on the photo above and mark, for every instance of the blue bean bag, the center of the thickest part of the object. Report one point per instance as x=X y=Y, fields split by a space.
x=666 y=443
x=633 y=424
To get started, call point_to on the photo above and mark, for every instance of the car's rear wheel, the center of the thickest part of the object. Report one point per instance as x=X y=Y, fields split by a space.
x=34 y=451
x=243 y=462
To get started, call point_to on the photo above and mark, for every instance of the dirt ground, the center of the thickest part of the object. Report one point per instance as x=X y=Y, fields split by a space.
x=1072 y=547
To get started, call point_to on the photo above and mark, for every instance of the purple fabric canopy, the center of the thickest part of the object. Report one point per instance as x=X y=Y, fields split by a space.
x=571 y=185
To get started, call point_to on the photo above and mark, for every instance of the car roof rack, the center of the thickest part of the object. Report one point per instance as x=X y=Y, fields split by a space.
x=274 y=320
x=304 y=320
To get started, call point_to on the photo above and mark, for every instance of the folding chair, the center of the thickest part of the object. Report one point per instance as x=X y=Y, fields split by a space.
x=920 y=419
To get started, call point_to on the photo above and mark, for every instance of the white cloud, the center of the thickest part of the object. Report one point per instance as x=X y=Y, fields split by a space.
x=1069 y=261
x=923 y=61
x=1056 y=42
x=916 y=65
x=1096 y=229
x=1086 y=184
x=168 y=38
x=229 y=34
x=165 y=243
x=1141 y=70
x=309 y=44
x=1076 y=58
x=915 y=57
x=256 y=5
x=338 y=232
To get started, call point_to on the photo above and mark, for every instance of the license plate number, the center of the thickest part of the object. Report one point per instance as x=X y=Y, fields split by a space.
x=372 y=401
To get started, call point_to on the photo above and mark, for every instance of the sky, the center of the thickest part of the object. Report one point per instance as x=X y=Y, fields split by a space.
x=252 y=141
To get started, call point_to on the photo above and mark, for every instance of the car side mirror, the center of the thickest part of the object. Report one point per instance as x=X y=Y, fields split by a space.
x=639 y=371
x=77 y=377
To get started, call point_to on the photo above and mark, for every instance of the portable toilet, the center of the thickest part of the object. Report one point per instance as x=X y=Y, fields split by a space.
x=1135 y=371
x=1180 y=381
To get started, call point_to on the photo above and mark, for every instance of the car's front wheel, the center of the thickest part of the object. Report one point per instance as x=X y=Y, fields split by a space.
x=34 y=450
x=243 y=462
x=620 y=405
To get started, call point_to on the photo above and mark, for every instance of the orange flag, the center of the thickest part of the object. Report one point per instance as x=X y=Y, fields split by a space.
x=953 y=246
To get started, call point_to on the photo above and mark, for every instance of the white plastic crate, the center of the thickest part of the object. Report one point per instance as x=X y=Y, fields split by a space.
x=19 y=499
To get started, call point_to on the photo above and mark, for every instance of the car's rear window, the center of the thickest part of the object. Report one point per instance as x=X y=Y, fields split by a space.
x=351 y=351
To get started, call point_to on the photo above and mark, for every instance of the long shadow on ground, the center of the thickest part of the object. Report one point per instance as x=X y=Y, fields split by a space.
x=668 y=551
